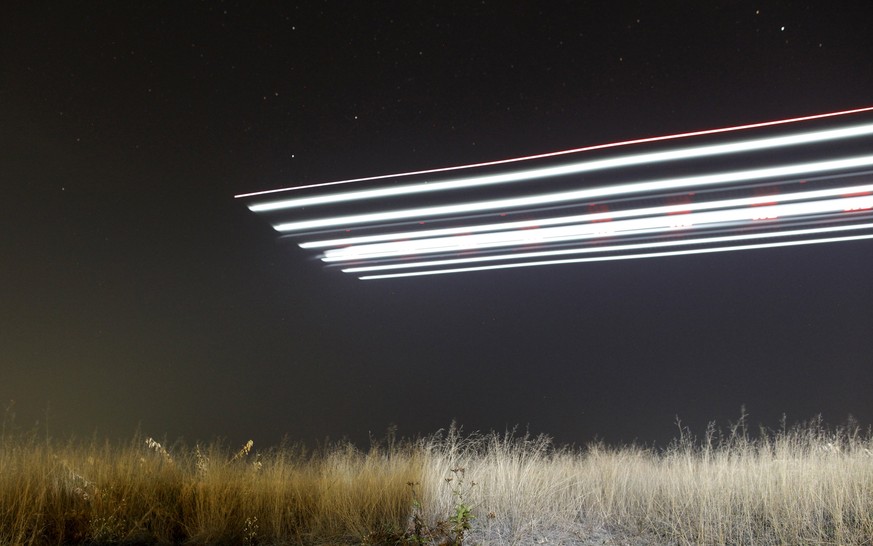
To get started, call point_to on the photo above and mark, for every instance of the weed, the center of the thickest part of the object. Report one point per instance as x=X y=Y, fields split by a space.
x=449 y=531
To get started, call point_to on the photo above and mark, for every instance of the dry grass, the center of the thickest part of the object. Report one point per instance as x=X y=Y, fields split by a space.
x=804 y=485
x=99 y=493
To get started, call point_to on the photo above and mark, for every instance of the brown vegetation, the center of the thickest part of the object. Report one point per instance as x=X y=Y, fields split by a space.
x=804 y=485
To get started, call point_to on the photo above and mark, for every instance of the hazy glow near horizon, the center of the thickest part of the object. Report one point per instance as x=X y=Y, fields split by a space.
x=466 y=232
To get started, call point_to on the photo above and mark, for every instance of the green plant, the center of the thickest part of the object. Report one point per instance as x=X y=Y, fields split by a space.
x=450 y=531
x=462 y=516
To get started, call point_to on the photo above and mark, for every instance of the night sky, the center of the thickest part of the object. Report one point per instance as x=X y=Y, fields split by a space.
x=136 y=292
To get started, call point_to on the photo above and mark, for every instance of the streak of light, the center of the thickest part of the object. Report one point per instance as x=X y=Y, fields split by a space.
x=594 y=217
x=563 y=197
x=572 y=168
x=620 y=257
x=589 y=230
x=604 y=249
x=566 y=152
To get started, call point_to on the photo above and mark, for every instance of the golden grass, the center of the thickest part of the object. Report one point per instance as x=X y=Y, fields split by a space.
x=76 y=493
x=805 y=485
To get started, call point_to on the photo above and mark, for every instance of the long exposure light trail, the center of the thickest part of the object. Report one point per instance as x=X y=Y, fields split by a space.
x=747 y=193
x=572 y=168
x=689 y=182
x=595 y=147
x=621 y=257
x=582 y=231
x=606 y=249
x=593 y=217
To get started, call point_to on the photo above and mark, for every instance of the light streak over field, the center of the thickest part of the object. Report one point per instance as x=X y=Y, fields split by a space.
x=593 y=217
x=604 y=249
x=576 y=232
x=621 y=257
x=571 y=168
x=517 y=218
x=571 y=151
x=576 y=195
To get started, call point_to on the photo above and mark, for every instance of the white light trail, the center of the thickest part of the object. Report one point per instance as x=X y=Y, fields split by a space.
x=571 y=151
x=621 y=257
x=606 y=249
x=591 y=217
x=574 y=232
x=563 y=197
x=571 y=168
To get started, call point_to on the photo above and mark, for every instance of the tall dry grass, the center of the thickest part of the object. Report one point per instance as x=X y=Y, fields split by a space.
x=802 y=485
x=146 y=493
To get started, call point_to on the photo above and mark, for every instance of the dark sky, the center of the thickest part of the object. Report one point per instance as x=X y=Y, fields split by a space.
x=135 y=291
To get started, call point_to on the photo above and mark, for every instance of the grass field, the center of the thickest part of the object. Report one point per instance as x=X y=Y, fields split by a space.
x=803 y=485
